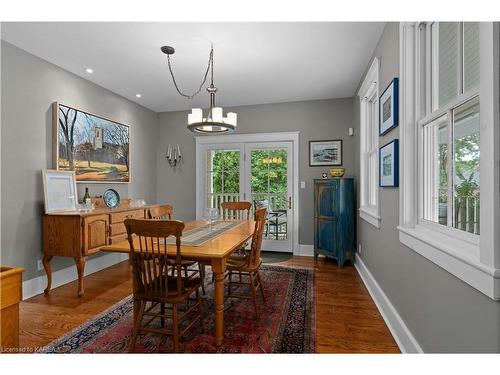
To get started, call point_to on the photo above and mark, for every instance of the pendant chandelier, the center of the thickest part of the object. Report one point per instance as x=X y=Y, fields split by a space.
x=214 y=122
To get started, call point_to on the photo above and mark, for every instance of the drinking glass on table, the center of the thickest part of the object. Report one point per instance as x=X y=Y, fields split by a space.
x=210 y=215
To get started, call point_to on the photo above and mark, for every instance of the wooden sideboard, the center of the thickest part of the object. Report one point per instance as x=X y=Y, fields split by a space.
x=11 y=293
x=77 y=234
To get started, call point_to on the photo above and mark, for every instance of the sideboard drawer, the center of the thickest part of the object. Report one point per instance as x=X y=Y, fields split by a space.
x=119 y=217
x=117 y=228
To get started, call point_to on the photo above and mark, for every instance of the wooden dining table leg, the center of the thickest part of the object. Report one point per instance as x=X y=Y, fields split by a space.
x=218 y=268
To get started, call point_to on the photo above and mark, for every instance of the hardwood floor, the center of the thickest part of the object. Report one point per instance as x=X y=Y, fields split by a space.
x=347 y=320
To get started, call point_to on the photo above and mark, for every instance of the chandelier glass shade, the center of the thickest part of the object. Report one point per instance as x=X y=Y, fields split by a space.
x=214 y=122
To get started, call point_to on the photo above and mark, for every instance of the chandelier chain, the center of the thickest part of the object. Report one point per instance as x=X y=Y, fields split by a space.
x=210 y=67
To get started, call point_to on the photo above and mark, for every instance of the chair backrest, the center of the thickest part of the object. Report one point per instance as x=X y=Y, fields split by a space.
x=148 y=255
x=236 y=210
x=163 y=212
x=260 y=222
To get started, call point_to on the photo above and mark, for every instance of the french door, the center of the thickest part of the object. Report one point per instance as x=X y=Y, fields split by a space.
x=260 y=173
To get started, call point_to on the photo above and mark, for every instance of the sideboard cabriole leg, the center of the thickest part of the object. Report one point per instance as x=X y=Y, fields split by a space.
x=46 y=265
x=80 y=266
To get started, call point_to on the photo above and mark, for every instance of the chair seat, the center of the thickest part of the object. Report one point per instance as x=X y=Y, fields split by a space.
x=239 y=263
x=184 y=263
x=190 y=285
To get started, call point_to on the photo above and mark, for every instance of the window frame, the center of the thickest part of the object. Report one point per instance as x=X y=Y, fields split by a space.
x=369 y=144
x=475 y=262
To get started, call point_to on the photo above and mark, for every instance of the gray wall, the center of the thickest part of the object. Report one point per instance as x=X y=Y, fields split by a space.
x=316 y=120
x=443 y=313
x=29 y=87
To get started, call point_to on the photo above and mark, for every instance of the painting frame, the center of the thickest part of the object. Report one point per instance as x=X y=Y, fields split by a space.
x=334 y=143
x=389 y=162
x=389 y=108
x=56 y=144
x=52 y=193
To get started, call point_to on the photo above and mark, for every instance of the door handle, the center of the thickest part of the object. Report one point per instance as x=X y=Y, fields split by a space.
x=289 y=202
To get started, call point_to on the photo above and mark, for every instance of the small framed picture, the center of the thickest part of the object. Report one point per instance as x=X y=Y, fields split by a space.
x=389 y=164
x=388 y=108
x=323 y=153
x=59 y=189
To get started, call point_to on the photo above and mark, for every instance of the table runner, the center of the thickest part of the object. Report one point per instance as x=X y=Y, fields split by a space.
x=200 y=235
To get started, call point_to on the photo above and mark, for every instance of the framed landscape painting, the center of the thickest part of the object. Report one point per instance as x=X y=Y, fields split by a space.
x=325 y=153
x=95 y=148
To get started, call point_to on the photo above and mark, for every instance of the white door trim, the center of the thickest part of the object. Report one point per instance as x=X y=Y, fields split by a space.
x=254 y=137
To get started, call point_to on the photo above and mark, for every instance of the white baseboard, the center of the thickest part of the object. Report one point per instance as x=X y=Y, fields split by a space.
x=403 y=336
x=305 y=251
x=66 y=275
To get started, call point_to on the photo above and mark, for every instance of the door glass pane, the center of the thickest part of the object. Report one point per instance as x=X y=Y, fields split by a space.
x=435 y=171
x=445 y=62
x=466 y=157
x=471 y=54
x=269 y=189
x=223 y=177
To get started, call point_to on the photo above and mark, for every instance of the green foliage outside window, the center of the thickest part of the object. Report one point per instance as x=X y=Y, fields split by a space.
x=268 y=176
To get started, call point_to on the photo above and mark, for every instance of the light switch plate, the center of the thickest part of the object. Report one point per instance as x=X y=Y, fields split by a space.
x=302 y=184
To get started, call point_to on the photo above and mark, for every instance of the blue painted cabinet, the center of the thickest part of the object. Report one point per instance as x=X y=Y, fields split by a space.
x=334 y=234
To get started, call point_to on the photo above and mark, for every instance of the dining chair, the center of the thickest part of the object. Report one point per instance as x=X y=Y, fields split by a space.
x=236 y=210
x=165 y=212
x=249 y=265
x=154 y=285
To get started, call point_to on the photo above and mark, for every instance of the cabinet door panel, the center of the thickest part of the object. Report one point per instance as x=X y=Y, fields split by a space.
x=95 y=232
x=326 y=199
x=326 y=236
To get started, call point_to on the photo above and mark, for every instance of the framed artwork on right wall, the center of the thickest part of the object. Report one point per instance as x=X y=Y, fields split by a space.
x=388 y=108
x=389 y=164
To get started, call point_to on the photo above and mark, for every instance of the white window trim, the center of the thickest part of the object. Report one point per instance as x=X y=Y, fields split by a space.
x=370 y=214
x=477 y=264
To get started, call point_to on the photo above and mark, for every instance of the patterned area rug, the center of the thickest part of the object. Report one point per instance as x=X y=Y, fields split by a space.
x=286 y=325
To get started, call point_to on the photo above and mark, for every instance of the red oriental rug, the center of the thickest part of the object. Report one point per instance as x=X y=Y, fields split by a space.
x=286 y=325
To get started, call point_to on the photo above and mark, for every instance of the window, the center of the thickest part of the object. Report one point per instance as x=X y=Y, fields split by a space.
x=368 y=100
x=222 y=177
x=450 y=152
x=449 y=136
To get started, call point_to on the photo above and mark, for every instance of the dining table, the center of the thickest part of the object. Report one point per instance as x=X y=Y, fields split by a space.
x=214 y=251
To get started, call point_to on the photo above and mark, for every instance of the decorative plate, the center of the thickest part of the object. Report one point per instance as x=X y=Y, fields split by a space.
x=111 y=198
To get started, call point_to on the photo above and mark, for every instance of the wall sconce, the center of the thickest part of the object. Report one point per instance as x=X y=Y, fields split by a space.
x=173 y=156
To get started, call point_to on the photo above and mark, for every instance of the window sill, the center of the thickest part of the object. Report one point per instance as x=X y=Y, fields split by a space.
x=370 y=216
x=448 y=253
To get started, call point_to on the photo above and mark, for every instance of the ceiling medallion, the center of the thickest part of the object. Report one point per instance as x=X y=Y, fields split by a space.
x=214 y=122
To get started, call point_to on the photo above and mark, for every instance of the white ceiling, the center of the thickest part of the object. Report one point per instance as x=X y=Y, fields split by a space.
x=255 y=63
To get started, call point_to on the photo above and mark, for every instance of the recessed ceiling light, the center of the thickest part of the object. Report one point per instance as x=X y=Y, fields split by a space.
x=89 y=70
x=138 y=95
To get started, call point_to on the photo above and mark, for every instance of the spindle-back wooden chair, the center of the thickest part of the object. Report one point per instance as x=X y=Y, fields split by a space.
x=249 y=264
x=154 y=285
x=236 y=210
x=165 y=212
